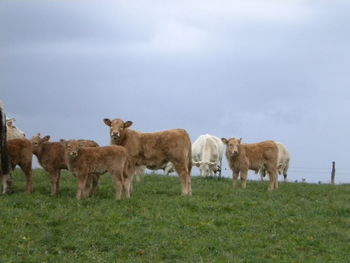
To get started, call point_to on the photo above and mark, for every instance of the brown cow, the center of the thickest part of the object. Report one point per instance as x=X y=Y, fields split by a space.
x=51 y=157
x=156 y=148
x=242 y=157
x=20 y=153
x=86 y=162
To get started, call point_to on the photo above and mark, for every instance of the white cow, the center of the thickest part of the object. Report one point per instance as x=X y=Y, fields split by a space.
x=282 y=162
x=207 y=152
x=12 y=132
x=166 y=167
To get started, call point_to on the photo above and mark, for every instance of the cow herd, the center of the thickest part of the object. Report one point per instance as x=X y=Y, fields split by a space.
x=131 y=151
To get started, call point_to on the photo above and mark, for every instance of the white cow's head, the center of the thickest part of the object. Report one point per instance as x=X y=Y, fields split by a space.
x=12 y=131
x=117 y=129
x=206 y=167
x=232 y=146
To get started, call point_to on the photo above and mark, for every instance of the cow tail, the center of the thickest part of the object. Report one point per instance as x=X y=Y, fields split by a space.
x=190 y=158
x=5 y=162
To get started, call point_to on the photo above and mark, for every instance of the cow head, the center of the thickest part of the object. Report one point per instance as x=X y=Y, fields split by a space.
x=37 y=141
x=71 y=148
x=206 y=167
x=232 y=146
x=12 y=131
x=117 y=129
x=10 y=122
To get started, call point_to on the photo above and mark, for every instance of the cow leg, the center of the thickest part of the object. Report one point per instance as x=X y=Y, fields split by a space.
x=244 y=175
x=27 y=169
x=272 y=171
x=5 y=178
x=189 y=178
x=167 y=170
x=58 y=178
x=234 y=178
x=285 y=171
x=8 y=181
x=185 y=179
x=81 y=185
x=127 y=186
x=261 y=177
x=88 y=185
x=118 y=186
x=261 y=172
x=55 y=178
x=276 y=182
x=189 y=184
x=138 y=171
x=95 y=179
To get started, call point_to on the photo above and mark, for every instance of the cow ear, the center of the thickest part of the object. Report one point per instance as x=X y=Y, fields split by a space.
x=63 y=141
x=196 y=164
x=127 y=124
x=224 y=140
x=9 y=122
x=46 y=138
x=212 y=165
x=107 y=122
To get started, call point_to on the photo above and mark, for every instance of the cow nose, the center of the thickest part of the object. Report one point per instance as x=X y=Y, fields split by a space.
x=115 y=134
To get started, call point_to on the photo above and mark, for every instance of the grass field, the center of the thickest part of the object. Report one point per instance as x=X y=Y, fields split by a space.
x=297 y=223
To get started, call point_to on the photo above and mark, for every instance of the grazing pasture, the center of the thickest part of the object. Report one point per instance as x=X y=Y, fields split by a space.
x=296 y=223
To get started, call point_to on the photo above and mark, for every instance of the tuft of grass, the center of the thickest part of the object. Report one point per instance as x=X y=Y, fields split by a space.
x=297 y=223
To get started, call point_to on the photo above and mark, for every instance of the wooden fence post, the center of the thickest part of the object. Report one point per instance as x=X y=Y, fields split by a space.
x=333 y=173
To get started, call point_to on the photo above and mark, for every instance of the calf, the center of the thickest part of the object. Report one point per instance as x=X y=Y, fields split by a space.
x=20 y=153
x=155 y=149
x=51 y=157
x=242 y=157
x=88 y=161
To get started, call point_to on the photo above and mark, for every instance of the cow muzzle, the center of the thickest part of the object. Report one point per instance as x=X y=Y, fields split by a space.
x=115 y=135
x=73 y=154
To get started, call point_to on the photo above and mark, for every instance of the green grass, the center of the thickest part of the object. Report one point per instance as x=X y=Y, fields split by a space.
x=297 y=223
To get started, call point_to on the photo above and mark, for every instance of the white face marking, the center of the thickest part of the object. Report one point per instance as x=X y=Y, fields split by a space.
x=204 y=168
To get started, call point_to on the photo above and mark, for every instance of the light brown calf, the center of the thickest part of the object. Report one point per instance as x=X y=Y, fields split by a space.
x=51 y=157
x=155 y=149
x=242 y=157
x=85 y=162
x=20 y=153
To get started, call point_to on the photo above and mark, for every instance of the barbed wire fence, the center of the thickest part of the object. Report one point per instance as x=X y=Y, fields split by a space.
x=321 y=175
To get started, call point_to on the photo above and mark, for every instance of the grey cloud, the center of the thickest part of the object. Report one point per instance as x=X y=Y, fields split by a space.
x=64 y=66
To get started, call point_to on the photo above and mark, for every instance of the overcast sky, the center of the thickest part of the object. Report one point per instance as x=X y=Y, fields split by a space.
x=254 y=69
